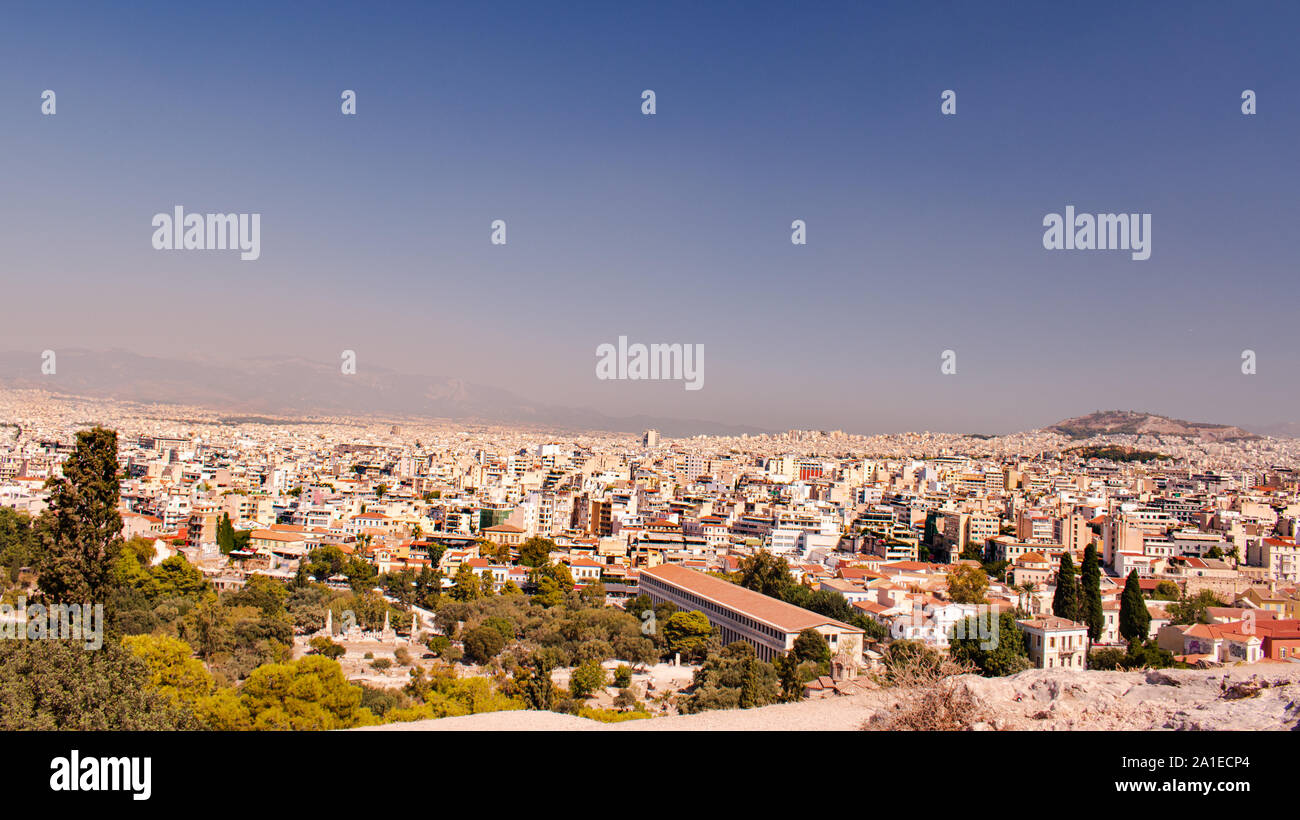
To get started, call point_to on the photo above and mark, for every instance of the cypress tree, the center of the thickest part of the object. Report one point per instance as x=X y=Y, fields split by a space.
x=82 y=529
x=1065 y=603
x=1090 y=611
x=1134 y=618
x=225 y=534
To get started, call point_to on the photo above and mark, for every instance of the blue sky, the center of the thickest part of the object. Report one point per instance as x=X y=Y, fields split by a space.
x=924 y=231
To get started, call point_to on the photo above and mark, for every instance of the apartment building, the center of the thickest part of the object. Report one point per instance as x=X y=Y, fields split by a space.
x=1279 y=557
x=1126 y=531
x=1032 y=525
x=962 y=528
x=202 y=526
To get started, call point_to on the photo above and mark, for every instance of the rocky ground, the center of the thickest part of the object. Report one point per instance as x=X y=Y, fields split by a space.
x=1258 y=697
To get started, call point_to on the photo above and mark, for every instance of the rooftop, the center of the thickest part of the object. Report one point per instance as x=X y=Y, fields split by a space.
x=764 y=608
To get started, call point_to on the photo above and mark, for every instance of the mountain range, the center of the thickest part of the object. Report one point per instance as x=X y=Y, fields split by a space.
x=282 y=385
x=289 y=386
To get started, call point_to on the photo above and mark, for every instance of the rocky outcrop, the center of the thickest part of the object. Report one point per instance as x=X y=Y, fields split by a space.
x=1257 y=697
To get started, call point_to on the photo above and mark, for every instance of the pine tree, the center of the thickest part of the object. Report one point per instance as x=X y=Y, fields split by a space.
x=82 y=529
x=1065 y=603
x=1134 y=617
x=1090 y=611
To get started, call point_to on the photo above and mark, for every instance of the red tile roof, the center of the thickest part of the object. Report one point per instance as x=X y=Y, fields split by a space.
x=777 y=613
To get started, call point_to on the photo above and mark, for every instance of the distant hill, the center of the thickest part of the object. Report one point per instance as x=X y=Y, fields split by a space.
x=1118 y=422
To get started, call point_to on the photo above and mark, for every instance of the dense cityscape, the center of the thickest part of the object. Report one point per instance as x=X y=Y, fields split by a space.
x=426 y=559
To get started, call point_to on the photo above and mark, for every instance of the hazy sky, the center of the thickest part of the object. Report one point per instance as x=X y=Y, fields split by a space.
x=924 y=231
